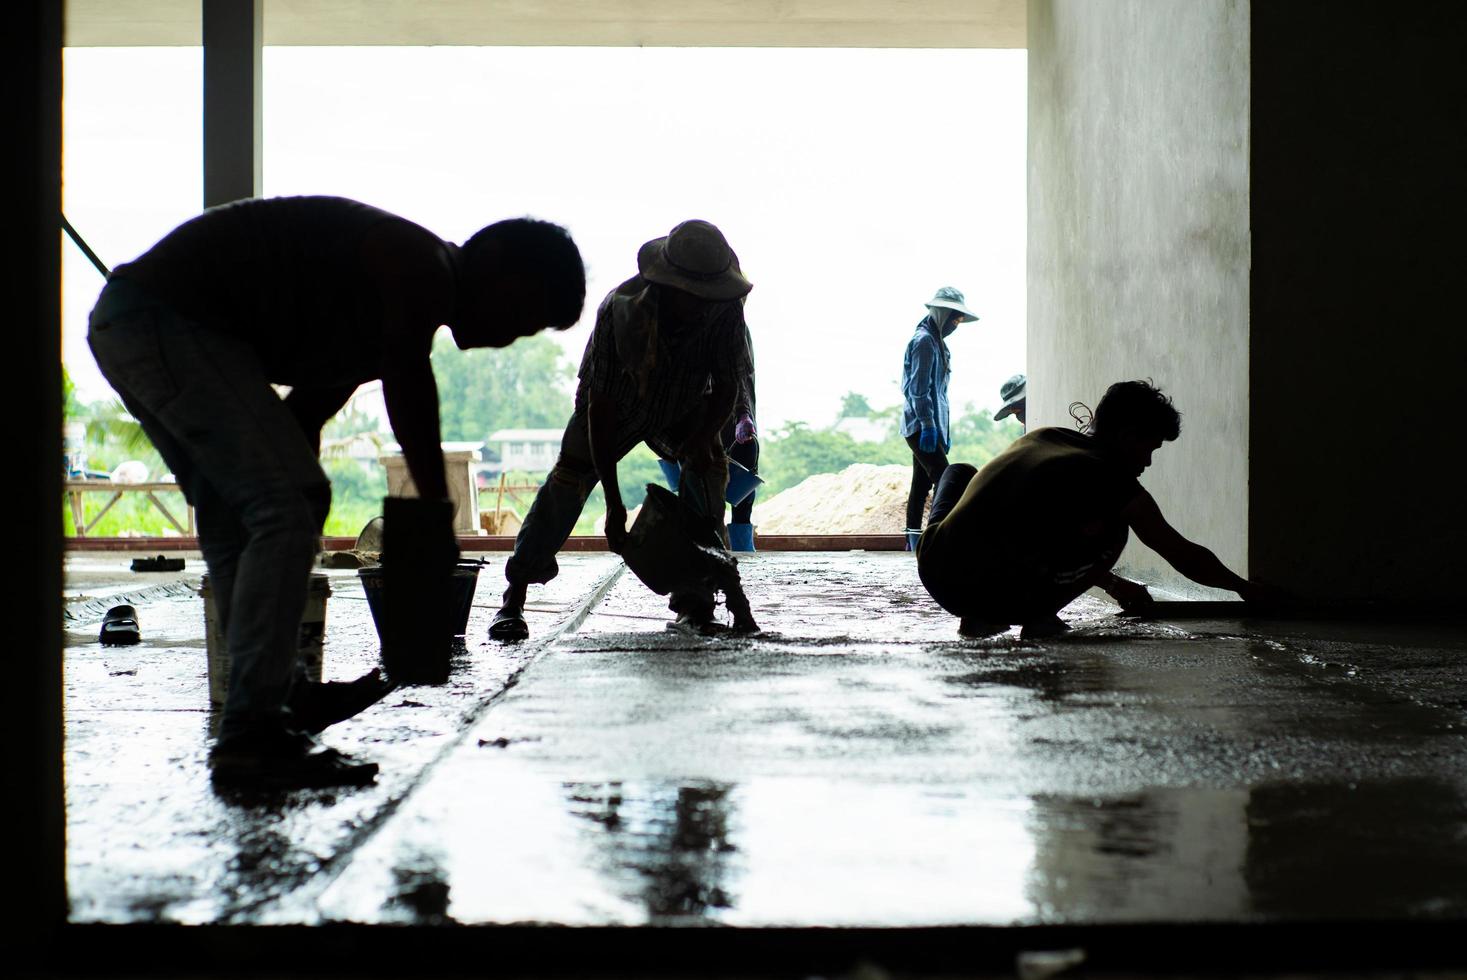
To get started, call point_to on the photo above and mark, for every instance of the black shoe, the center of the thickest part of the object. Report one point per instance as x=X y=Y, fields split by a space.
x=509 y=625
x=120 y=627
x=284 y=760
x=698 y=621
x=314 y=707
x=1040 y=628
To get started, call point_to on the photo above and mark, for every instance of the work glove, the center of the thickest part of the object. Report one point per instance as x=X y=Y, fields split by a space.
x=744 y=429
x=927 y=441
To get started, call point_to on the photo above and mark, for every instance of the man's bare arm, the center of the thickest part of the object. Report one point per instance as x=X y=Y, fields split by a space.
x=415 y=286
x=412 y=408
x=1191 y=559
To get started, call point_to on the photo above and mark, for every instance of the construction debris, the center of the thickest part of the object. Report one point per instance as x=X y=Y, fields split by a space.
x=863 y=498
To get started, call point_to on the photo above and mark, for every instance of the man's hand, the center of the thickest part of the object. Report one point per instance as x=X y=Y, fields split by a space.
x=616 y=526
x=744 y=431
x=1263 y=594
x=927 y=441
x=1131 y=596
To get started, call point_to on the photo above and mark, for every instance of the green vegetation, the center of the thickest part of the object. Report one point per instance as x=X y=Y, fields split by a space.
x=522 y=386
x=795 y=451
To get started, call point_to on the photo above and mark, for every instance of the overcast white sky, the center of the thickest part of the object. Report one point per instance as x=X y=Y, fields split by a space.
x=852 y=183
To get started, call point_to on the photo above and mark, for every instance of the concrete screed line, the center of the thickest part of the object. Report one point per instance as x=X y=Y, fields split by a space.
x=305 y=896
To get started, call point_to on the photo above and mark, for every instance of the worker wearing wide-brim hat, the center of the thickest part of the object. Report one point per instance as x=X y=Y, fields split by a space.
x=1014 y=395
x=664 y=366
x=926 y=369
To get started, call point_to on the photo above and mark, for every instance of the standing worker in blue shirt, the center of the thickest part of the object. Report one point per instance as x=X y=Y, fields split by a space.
x=925 y=373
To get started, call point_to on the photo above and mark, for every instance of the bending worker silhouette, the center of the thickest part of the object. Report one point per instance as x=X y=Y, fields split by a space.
x=321 y=294
x=663 y=366
x=1048 y=517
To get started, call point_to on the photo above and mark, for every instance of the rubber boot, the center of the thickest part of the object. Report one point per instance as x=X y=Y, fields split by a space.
x=912 y=535
x=741 y=537
x=671 y=472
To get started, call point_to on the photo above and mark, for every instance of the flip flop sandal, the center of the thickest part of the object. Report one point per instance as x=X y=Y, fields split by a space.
x=509 y=627
x=120 y=627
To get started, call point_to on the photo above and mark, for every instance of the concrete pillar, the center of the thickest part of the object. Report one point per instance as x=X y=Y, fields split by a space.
x=1138 y=239
x=233 y=33
x=1259 y=207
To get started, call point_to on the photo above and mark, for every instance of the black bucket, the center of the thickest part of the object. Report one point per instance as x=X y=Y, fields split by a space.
x=464 y=583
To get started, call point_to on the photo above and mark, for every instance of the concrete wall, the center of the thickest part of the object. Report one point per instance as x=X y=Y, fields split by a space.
x=1138 y=237
x=30 y=77
x=1360 y=260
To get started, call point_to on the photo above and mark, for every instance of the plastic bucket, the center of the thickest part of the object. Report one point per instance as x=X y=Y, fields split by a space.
x=464 y=583
x=741 y=482
x=312 y=635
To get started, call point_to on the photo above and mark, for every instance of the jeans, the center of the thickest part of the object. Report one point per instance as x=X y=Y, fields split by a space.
x=747 y=454
x=246 y=466
x=926 y=470
x=561 y=498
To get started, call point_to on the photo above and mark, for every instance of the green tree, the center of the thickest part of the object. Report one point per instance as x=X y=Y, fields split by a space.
x=795 y=451
x=853 y=405
x=523 y=386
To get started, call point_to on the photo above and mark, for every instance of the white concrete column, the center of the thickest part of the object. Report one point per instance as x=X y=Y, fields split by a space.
x=233 y=33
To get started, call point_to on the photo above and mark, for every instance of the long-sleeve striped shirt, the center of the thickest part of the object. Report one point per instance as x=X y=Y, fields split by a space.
x=660 y=373
x=925 y=373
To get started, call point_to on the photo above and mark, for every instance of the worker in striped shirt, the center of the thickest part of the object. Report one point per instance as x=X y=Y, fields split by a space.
x=663 y=366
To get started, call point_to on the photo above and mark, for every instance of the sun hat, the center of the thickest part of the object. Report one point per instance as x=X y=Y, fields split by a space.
x=1012 y=392
x=952 y=299
x=695 y=258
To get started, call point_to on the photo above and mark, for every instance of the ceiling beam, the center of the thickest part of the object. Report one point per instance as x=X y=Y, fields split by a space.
x=605 y=23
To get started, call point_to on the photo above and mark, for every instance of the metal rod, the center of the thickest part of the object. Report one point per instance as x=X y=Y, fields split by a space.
x=86 y=249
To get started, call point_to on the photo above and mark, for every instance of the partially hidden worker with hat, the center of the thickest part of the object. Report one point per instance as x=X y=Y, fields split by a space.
x=926 y=369
x=664 y=366
x=1047 y=518
x=322 y=294
x=1014 y=398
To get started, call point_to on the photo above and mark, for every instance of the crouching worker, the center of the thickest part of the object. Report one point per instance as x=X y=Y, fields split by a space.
x=663 y=366
x=1048 y=517
x=320 y=294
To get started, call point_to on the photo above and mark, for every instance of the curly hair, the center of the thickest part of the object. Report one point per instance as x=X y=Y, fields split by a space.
x=1138 y=405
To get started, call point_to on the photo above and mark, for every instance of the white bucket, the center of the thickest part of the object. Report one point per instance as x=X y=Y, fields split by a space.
x=312 y=636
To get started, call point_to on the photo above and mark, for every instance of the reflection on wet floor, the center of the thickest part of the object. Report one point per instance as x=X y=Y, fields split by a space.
x=669 y=844
x=858 y=764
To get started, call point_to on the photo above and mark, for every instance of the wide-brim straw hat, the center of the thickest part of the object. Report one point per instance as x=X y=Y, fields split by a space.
x=695 y=258
x=951 y=299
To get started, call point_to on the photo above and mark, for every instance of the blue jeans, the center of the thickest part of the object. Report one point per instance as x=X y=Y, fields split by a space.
x=560 y=500
x=245 y=464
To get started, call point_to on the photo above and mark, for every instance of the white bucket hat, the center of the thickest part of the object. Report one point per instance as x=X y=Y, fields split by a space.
x=951 y=299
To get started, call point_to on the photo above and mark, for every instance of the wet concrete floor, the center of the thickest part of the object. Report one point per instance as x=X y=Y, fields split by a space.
x=857 y=764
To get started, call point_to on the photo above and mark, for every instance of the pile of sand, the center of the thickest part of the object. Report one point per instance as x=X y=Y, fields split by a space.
x=863 y=498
